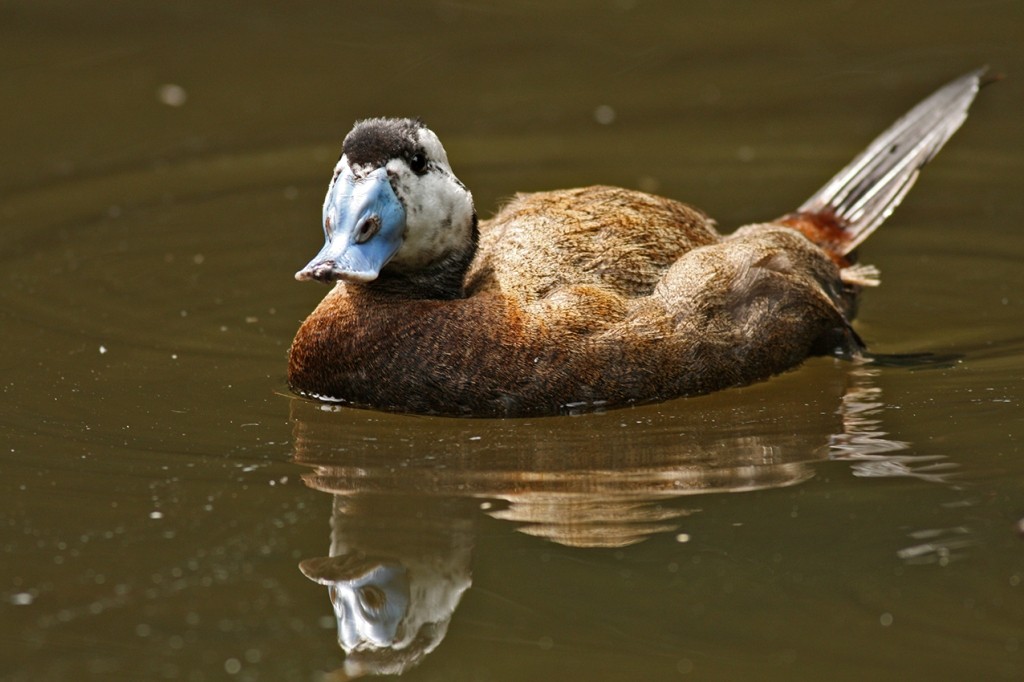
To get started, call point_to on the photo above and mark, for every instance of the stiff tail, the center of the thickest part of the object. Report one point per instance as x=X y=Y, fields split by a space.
x=851 y=205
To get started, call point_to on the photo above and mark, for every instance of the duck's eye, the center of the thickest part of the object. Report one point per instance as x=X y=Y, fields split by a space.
x=418 y=163
x=367 y=229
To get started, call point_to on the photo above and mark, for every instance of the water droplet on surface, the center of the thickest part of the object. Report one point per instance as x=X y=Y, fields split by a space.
x=604 y=115
x=172 y=95
x=22 y=599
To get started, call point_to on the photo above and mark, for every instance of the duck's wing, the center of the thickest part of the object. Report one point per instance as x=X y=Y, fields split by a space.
x=620 y=240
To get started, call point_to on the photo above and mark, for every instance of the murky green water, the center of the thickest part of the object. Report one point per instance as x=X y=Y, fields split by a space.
x=162 y=173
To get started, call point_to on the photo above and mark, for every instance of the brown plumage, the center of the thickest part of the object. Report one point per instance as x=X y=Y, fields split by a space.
x=587 y=297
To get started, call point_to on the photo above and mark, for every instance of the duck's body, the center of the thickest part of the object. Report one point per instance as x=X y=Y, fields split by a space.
x=570 y=311
x=593 y=296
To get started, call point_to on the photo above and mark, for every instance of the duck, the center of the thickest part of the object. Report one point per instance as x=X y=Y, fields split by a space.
x=581 y=299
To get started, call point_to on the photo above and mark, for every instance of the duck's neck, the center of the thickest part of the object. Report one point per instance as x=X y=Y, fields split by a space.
x=442 y=279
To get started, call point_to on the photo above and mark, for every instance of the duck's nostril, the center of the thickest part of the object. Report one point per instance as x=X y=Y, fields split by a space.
x=321 y=272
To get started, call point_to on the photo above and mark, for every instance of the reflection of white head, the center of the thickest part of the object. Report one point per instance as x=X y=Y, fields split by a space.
x=370 y=598
x=383 y=604
x=392 y=610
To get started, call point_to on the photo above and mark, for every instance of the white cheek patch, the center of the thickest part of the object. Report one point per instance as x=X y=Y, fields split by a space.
x=438 y=212
x=433 y=147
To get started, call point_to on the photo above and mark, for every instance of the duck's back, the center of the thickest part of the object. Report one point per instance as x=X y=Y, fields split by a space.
x=617 y=241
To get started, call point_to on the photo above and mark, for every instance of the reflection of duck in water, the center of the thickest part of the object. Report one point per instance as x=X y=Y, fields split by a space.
x=601 y=480
x=588 y=296
x=407 y=501
x=396 y=571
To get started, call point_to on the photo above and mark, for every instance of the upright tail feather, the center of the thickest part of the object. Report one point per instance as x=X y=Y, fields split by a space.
x=851 y=205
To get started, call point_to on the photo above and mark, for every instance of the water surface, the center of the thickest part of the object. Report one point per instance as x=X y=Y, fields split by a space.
x=169 y=507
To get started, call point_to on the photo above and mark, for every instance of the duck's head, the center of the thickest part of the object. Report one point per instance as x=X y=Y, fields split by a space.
x=394 y=211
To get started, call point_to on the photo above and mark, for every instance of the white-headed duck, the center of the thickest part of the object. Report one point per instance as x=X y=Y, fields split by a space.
x=598 y=296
